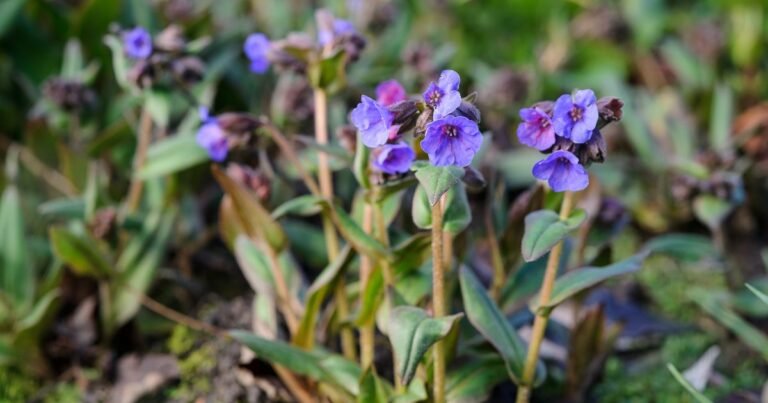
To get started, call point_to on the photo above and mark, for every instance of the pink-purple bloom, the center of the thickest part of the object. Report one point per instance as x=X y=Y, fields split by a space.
x=443 y=96
x=256 y=48
x=373 y=121
x=575 y=116
x=212 y=137
x=390 y=92
x=137 y=43
x=393 y=158
x=562 y=171
x=536 y=129
x=452 y=140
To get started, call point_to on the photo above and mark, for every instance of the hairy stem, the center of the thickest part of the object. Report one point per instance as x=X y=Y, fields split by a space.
x=438 y=299
x=367 y=331
x=144 y=137
x=499 y=274
x=331 y=238
x=540 y=323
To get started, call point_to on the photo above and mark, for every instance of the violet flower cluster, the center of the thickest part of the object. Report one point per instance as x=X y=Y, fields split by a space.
x=292 y=52
x=448 y=122
x=568 y=130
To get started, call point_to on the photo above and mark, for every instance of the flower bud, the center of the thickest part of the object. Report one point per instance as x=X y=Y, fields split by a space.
x=425 y=118
x=188 y=69
x=69 y=95
x=252 y=179
x=593 y=150
x=238 y=124
x=469 y=111
x=292 y=52
x=171 y=39
x=473 y=179
x=609 y=109
x=404 y=114
x=142 y=74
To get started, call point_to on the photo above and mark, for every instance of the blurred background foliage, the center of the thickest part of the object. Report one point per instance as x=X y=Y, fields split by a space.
x=691 y=154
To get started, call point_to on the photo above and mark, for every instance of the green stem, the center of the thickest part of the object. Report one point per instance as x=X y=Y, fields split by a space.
x=540 y=323
x=367 y=331
x=331 y=238
x=438 y=299
x=144 y=137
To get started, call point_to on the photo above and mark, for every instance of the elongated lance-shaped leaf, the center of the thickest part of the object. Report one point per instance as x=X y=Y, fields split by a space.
x=81 y=253
x=373 y=389
x=456 y=217
x=305 y=205
x=544 y=229
x=256 y=220
x=437 y=180
x=687 y=385
x=488 y=319
x=580 y=279
x=17 y=277
x=362 y=242
x=763 y=297
x=304 y=337
x=412 y=332
x=334 y=370
x=473 y=381
x=172 y=155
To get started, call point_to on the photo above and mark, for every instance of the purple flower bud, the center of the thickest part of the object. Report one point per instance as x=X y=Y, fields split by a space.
x=329 y=28
x=390 y=92
x=562 y=171
x=137 y=43
x=536 y=129
x=393 y=158
x=575 y=116
x=256 y=48
x=212 y=137
x=452 y=140
x=373 y=121
x=443 y=96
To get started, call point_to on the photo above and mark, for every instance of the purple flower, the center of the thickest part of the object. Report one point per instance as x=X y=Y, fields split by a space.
x=575 y=116
x=137 y=43
x=562 y=171
x=340 y=28
x=536 y=129
x=390 y=92
x=373 y=121
x=443 y=96
x=212 y=137
x=452 y=140
x=256 y=47
x=393 y=158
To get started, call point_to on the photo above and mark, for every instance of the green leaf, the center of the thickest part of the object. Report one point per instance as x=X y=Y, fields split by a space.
x=544 y=229
x=412 y=253
x=73 y=63
x=322 y=367
x=714 y=304
x=372 y=389
x=17 y=278
x=317 y=292
x=473 y=381
x=63 y=208
x=35 y=321
x=171 y=155
x=119 y=61
x=81 y=253
x=362 y=242
x=687 y=247
x=360 y=164
x=763 y=297
x=412 y=332
x=135 y=279
x=687 y=385
x=372 y=297
x=328 y=73
x=486 y=317
x=436 y=180
x=255 y=266
x=158 y=103
x=9 y=11
x=305 y=205
x=256 y=220
x=711 y=210
x=720 y=118
x=578 y=280
x=456 y=217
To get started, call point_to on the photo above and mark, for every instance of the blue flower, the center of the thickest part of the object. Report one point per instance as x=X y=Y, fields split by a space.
x=575 y=116
x=212 y=137
x=373 y=121
x=390 y=92
x=452 y=140
x=443 y=96
x=393 y=158
x=137 y=43
x=562 y=171
x=536 y=129
x=256 y=48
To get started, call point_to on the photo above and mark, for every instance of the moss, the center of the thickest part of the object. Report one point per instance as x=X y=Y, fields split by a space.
x=64 y=393
x=668 y=282
x=16 y=387
x=650 y=381
x=195 y=364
